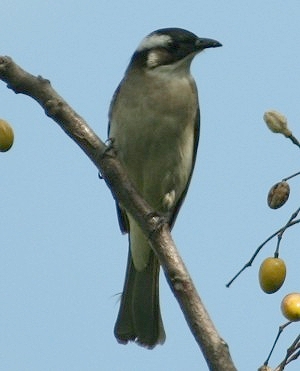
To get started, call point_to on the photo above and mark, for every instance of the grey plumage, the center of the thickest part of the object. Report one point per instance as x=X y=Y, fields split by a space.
x=154 y=127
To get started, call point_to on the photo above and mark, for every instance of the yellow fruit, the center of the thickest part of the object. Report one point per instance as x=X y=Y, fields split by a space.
x=278 y=195
x=6 y=136
x=290 y=306
x=272 y=274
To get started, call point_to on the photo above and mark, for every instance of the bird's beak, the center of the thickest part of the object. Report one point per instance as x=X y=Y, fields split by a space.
x=203 y=43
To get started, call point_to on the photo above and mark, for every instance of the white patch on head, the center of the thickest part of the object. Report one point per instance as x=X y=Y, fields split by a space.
x=154 y=41
x=153 y=59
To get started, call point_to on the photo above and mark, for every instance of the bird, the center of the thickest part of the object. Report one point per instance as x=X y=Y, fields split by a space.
x=154 y=124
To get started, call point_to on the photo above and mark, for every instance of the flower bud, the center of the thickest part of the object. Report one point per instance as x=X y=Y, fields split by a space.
x=277 y=123
x=278 y=195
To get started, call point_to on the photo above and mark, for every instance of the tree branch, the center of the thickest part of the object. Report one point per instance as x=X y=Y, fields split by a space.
x=212 y=346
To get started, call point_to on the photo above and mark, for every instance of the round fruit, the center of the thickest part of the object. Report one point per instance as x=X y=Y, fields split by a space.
x=272 y=274
x=290 y=306
x=278 y=195
x=6 y=136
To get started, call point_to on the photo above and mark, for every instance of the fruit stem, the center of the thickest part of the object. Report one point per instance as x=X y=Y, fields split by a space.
x=291 y=176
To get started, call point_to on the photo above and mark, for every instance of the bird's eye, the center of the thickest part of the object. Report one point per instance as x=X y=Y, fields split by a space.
x=171 y=45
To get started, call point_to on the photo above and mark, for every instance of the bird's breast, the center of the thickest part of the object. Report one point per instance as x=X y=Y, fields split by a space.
x=153 y=127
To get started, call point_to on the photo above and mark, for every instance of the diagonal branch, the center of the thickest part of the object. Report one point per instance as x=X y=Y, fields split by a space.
x=215 y=350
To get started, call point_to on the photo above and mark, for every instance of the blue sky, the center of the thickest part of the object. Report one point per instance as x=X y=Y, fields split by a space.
x=62 y=257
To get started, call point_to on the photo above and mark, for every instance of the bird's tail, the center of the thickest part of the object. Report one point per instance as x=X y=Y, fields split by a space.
x=139 y=317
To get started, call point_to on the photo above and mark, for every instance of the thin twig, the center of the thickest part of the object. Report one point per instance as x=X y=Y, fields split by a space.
x=292 y=354
x=281 y=328
x=249 y=263
x=280 y=234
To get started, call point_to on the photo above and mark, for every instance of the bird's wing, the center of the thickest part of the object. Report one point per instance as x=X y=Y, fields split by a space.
x=196 y=142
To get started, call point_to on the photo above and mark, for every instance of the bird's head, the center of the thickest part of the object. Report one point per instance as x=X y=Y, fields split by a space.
x=170 y=47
